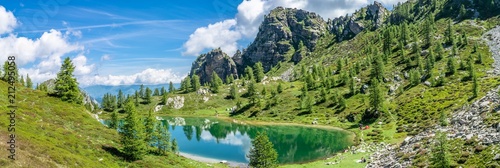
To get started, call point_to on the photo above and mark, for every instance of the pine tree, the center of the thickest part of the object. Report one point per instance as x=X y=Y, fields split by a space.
x=175 y=148
x=171 y=88
x=21 y=81
x=149 y=126
x=229 y=79
x=280 y=88
x=451 y=67
x=162 y=139
x=164 y=99
x=259 y=72
x=263 y=154
x=29 y=83
x=414 y=77
x=147 y=96
x=215 y=83
x=322 y=95
x=141 y=91
x=132 y=134
x=352 y=86
x=136 y=98
x=121 y=99
x=251 y=91
x=462 y=12
x=162 y=91
x=449 y=33
x=232 y=92
x=376 y=96
x=114 y=120
x=249 y=74
x=377 y=69
x=196 y=82
x=404 y=33
x=187 y=85
x=66 y=86
x=156 y=92
x=440 y=156
x=475 y=86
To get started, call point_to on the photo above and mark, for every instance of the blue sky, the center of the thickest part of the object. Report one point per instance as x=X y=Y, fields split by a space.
x=132 y=42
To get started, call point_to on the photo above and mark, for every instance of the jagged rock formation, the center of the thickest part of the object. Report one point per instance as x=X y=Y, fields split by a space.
x=282 y=31
x=370 y=17
x=215 y=60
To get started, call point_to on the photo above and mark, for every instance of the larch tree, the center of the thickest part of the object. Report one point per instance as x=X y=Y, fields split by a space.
x=161 y=138
x=196 y=82
x=132 y=134
x=29 y=83
x=263 y=154
x=66 y=86
x=171 y=88
x=259 y=72
x=149 y=126
x=147 y=96
x=249 y=75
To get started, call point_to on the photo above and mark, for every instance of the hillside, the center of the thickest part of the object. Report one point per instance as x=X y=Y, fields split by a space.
x=429 y=66
x=52 y=133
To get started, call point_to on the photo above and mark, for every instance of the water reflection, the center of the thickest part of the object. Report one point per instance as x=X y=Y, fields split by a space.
x=229 y=141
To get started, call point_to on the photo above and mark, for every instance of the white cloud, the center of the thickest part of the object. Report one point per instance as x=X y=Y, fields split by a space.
x=148 y=76
x=7 y=21
x=105 y=57
x=215 y=35
x=251 y=14
x=81 y=67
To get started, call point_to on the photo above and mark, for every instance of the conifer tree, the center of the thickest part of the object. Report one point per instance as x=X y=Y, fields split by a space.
x=142 y=91
x=215 y=83
x=322 y=95
x=233 y=92
x=440 y=156
x=136 y=98
x=161 y=139
x=162 y=91
x=251 y=91
x=376 y=96
x=114 y=120
x=259 y=72
x=149 y=126
x=66 y=86
x=263 y=154
x=175 y=148
x=475 y=86
x=171 y=88
x=21 y=81
x=120 y=99
x=229 y=79
x=451 y=66
x=29 y=83
x=156 y=92
x=352 y=86
x=164 y=99
x=378 y=69
x=132 y=134
x=280 y=88
x=196 y=82
x=462 y=12
x=187 y=85
x=147 y=96
x=449 y=33
x=249 y=74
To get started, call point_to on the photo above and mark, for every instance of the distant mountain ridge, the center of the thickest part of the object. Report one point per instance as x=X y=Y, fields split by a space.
x=98 y=91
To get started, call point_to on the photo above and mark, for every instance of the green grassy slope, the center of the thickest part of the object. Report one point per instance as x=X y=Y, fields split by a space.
x=52 y=133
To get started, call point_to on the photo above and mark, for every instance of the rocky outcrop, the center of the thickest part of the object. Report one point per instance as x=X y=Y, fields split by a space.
x=176 y=102
x=282 y=31
x=371 y=17
x=215 y=60
x=465 y=123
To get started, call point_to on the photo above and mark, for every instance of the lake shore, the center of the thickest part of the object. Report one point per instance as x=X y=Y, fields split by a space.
x=211 y=160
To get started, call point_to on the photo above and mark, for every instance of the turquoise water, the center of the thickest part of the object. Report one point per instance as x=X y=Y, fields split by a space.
x=221 y=140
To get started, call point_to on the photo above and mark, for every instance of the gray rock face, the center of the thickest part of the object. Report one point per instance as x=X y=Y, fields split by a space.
x=215 y=60
x=370 y=17
x=282 y=30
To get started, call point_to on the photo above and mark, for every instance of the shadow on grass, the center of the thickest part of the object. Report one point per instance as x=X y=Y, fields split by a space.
x=241 y=110
x=114 y=151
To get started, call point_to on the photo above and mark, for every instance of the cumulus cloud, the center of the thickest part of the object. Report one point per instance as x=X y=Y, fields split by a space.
x=7 y=21
x=81 y=67
x=147 y=76
x=245 y=25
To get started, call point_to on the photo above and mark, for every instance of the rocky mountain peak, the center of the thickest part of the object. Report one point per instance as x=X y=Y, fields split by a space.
x=370 y=17
x=215 y=60
x=282 y=31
